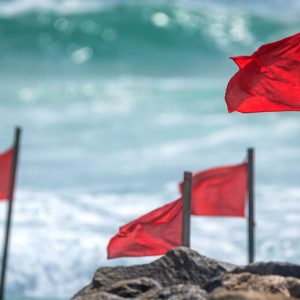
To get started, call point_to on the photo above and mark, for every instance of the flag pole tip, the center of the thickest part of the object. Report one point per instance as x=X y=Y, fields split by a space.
x=187 y=175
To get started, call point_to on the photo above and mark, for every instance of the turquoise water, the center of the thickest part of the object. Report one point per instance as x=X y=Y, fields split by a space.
x=116 y=100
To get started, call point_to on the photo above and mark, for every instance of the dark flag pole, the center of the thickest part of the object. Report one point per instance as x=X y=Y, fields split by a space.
x=186 y=215
x=9 y=211
x=251 y=220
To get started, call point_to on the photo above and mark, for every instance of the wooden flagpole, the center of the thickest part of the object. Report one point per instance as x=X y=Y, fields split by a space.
x=251 y=219
x=186 y=215
x=9 y=212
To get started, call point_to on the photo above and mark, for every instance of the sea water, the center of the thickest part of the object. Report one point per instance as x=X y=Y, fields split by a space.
x=116 y=99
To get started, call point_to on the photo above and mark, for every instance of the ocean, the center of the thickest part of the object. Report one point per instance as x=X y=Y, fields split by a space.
x=116 y=99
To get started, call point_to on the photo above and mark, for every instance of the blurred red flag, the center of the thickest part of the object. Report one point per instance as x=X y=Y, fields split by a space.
x=152 y=234
x=268 y=80
x=220 y=191
x=6 y=166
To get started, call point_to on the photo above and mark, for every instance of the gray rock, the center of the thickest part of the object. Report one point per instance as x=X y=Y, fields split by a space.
x=183 y=274
x=176 y=292
x=131 y=288
x=270 y=268
x=98 y=296
x=179 y=266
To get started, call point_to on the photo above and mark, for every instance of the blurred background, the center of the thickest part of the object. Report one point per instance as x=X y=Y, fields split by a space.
x=116 y=99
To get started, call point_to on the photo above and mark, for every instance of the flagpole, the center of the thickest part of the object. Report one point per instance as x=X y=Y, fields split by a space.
x=9 y=212
x=251 y=220
x=186 y=215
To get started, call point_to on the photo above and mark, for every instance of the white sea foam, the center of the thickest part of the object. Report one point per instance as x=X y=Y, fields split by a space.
x=63 y=236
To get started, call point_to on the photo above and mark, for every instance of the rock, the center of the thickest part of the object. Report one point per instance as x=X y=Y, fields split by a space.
x=98 y=296
x=176 y=292
x=123 y=289
x=244 y=296
x=286 y=287
x=271 y=268
x=179 y=266
x=183 y=274
x=145 y=289
x=133 y=288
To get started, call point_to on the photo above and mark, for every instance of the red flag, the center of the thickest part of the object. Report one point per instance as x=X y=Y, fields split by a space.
x=152 y=234
x=268 y=80
x=220 y=191
x=6 y=166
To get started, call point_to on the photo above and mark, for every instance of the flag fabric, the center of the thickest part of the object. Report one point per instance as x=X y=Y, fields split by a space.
x=152 y=234
x=219 y=191
x=6 y=166
x=268 y=80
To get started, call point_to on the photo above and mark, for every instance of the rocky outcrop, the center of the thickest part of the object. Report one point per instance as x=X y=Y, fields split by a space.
x=176 y=292
x=274 y=285
x=183 y=274
x=239 y=295
x=271 y=268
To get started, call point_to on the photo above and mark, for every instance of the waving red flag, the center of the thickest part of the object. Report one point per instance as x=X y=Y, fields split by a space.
x=268 y=80
x=220 y=191
x=152 y=234
x=6 y=166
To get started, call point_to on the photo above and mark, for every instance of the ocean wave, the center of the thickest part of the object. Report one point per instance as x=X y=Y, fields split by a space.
x=63 y=238
x=14 y=7
x=126 y=35
x=63 y=235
